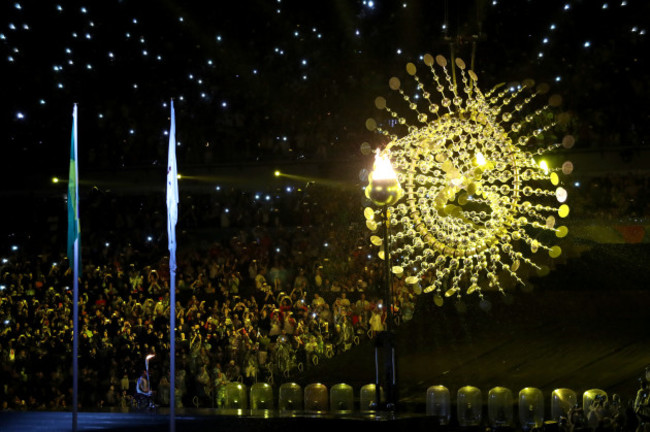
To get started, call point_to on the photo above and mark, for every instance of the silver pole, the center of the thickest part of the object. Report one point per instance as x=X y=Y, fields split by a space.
x=75 y=337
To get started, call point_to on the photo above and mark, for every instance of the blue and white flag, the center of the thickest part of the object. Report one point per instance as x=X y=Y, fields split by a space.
x=172 y=192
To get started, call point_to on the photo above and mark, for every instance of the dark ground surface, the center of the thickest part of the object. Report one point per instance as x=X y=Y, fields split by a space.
x=577 y=340
x=204 y=420
x=594 y=336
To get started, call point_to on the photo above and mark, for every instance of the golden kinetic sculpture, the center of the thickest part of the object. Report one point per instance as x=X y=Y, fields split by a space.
x=478 y=201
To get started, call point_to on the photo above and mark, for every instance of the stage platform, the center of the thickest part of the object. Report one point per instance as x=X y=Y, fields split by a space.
x=199 y=420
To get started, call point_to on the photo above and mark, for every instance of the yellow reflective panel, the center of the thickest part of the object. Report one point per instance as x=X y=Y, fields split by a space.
x=371 y=225
x=562 y=231
x=375 y=240
x=555 y=179
x=369 y=213
x=534 y=246
x=555 y=252
x=380 y=254
x=397 y=270
x=450 y=292
x=568 y=141
x=438 y=300
x=411 y=280
x=550 y=222
x=563 y=211
x=515 y=266
x=410 y=68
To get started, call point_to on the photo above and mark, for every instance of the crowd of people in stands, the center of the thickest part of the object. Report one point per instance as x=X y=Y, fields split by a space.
x=266 y=287
x=261 y=305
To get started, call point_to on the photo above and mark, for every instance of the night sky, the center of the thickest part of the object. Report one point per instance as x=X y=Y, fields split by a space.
x=278 y=79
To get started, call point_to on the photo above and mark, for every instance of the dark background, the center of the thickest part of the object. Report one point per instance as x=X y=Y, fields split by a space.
x=237 y=98
x=248 y=55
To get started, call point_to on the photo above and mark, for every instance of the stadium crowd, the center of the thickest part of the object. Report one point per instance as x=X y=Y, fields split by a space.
x=260 y=305
x=267 y=285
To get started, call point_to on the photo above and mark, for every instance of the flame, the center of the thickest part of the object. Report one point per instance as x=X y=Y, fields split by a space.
x=383 y=169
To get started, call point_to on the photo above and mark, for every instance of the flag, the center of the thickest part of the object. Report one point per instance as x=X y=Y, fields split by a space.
x=172 y=192
x=73 y=257
x=73 y=193
x=172 y=218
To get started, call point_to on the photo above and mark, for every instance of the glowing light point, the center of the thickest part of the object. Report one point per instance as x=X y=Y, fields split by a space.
x=480 y=159
x=544 y=166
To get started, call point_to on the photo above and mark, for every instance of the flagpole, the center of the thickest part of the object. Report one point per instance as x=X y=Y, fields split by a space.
x=73 y=236
x=75 y=339
x=172 y=218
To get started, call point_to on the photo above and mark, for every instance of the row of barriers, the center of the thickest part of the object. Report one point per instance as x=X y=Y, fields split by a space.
x=501 y=406
x=339 y=399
